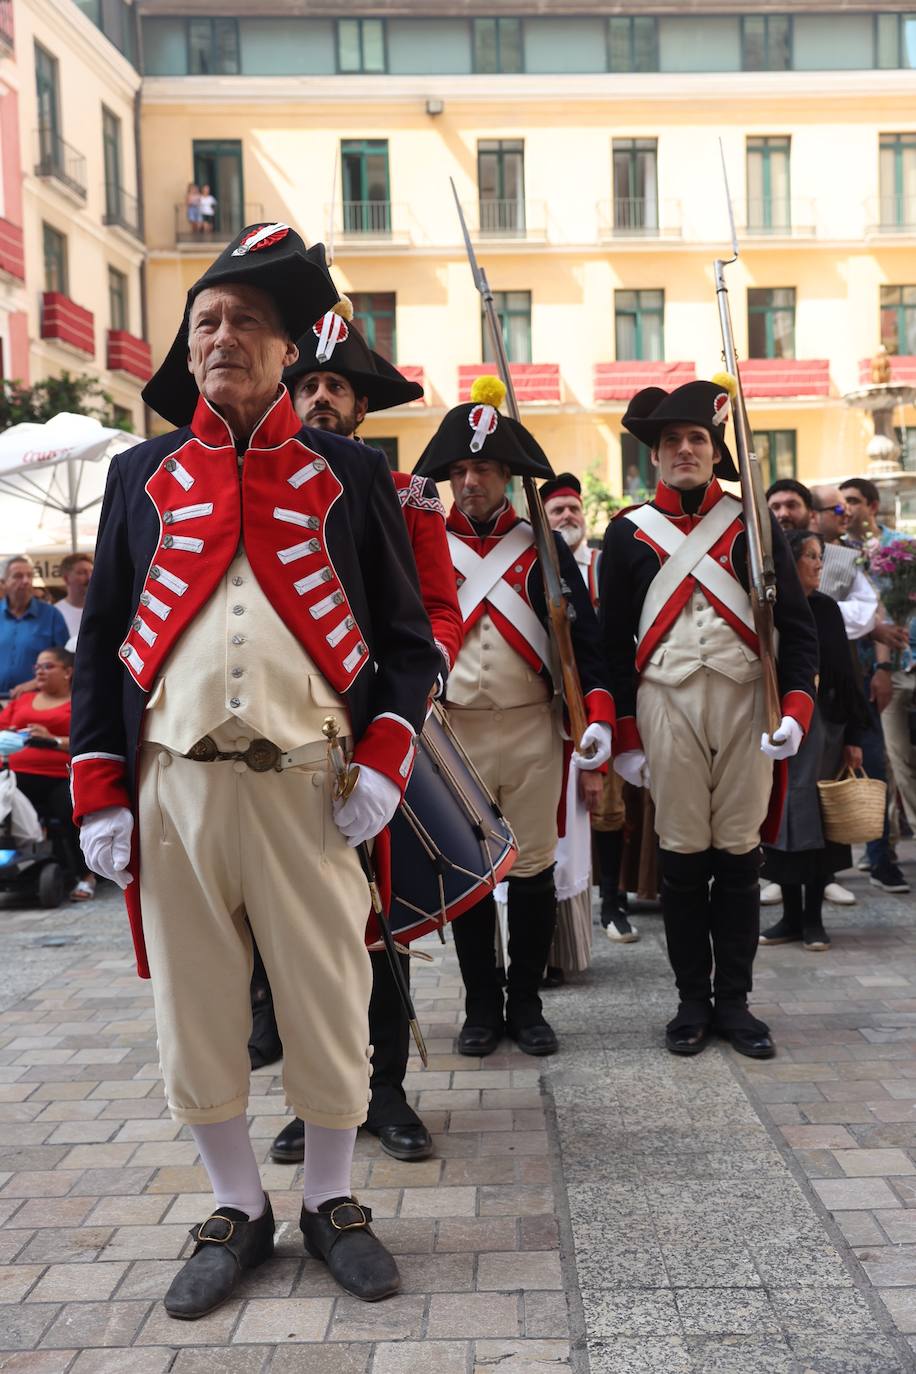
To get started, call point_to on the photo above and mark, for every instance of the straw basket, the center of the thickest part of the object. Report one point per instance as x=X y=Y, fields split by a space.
x=852 y=807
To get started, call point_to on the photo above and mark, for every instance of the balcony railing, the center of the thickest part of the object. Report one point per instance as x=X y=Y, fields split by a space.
x=779 y=218
x=7 y=39
x=229 y=220
x=370 y=221
x=891 y=214
x=60 y=161
x=122 y=210
x=506 y=219
x=639 y=217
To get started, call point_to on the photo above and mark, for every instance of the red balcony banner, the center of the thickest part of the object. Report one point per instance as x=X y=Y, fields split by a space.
x=127 y=353
x=619 y=381
x=763 y=378
x=533 y=382
x=12 y=254
x=62 y=319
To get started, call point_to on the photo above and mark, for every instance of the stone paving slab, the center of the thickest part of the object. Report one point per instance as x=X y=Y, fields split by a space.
x=612 y=1209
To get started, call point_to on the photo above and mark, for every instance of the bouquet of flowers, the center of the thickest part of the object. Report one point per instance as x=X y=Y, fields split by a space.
x=893 y=567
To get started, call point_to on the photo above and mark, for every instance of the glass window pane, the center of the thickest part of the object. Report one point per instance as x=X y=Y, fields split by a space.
x=652 y=337
x=200 y=35
x=55 y=256
x=348 y=46
x=779 y=43
x=625 y=337
x=488 y=175
x=763 y=450
x=485 y=45
x=888 y=53
x=377 y=176
x=908 y=41
x=373 y=45
x=518 y=343
x=619 y=52
x=510 y=45
x=645 y=45
x=226 y=43
x=783 y=334
x=784 y=465
x=754 y=43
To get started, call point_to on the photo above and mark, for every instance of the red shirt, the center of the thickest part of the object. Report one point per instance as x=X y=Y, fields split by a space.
x=49 y=763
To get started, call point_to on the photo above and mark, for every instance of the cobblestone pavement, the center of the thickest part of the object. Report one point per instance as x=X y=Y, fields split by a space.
x=611 y=1209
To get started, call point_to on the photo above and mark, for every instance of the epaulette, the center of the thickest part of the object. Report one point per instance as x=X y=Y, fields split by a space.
x=416 y=494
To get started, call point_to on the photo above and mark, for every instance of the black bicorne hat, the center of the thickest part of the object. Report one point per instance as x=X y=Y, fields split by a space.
x=479 y=431
x=272 y=257
x=563 y=482
x=705 y=404
x=334 y=344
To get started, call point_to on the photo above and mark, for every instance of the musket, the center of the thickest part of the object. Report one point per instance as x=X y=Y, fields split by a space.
x=559 y=610
x=345 y=780
x=757 y=524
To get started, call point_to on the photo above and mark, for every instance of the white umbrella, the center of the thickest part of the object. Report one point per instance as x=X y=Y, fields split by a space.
x=60 y=468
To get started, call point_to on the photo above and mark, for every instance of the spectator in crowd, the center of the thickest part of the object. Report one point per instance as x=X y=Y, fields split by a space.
x=863 y=502
x=791 y=503
x=27 y=626
x=207 y=210
x=192 y=207
x=42 y=767
x=802 y=860
x=76 y=570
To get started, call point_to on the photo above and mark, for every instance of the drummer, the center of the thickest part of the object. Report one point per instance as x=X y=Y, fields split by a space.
x=499 y=704
x=335 y=383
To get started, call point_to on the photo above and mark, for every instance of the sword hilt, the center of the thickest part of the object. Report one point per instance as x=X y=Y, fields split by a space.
x=345 y=777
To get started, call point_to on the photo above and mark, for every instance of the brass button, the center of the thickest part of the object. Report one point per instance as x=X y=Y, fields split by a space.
x=238 y=639
x=125 y=651
x=137 y=623
x=319 y=465
x=237 y=582
x=167 y=541
x=237 y=672
x=238 y=610
x=338 y=598
x=314 y=545
x=167 y=517
x=170 y=465
x=235 y=702
x=144 y=598
x=155 y=572
x=326 y=574
x=312 y=523
x=519 y=568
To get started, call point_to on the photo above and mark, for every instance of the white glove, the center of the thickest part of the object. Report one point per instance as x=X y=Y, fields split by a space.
x=632 y=767
x=369 y=807
x=784 y=742
x=599 y=735
x=105 y=842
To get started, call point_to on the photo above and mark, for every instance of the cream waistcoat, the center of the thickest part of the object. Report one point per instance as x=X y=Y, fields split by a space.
x=238 y=661
x=489 y=674
x=701 y=638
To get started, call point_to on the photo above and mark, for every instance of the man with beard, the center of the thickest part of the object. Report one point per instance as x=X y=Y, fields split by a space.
x=499 y=704
x=336 y=381
x=250 y=576
x=688 y=684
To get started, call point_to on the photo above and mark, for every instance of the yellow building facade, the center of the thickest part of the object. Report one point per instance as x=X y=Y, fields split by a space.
x=600 y=290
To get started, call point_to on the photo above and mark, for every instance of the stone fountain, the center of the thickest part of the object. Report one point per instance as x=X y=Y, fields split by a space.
x=881 y=400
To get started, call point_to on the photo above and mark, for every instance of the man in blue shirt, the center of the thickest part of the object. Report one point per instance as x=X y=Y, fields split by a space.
x=27 y=626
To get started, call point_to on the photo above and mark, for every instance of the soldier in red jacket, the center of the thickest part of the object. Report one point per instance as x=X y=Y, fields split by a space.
x=253 y=575
x=336 y=381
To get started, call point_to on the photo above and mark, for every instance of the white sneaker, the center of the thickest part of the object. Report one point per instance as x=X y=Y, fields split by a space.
x=840 y=896
x=622 y=931
x=770 y=894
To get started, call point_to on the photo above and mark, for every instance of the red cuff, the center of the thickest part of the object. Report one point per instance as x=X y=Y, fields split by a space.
x=800 y=707
x=626 y=735
x=97 y=781
x=599 y=707
x=390 y=746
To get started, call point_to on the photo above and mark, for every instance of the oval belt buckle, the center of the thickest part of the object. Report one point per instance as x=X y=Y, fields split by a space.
x=262 y=755
x=204 y=751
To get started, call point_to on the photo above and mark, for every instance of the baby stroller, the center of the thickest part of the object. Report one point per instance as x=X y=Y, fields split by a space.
x=30 y=864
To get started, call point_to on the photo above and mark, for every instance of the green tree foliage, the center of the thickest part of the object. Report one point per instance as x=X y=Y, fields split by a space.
x=599 y=503
x=79 y=395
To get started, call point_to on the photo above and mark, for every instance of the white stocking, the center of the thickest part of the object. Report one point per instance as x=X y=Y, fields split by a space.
x=328 y=1164
x=225 y=1149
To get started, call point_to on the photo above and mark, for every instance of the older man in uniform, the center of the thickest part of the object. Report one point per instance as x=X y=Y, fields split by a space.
x=335 y=382
x=251 y=576
x=677 y=624
x=499 y=704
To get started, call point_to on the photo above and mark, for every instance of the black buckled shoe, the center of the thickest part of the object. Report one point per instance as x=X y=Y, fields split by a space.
x=536 y=1038
x=228 y=1244
x=289 y=1144
x=408 y=1142
x=479 y=1040
x=755 y=1044
x=339 y=1234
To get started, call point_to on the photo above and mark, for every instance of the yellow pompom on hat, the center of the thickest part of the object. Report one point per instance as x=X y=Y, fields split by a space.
x=343 y=308
x=726 y=381
x=488 y=391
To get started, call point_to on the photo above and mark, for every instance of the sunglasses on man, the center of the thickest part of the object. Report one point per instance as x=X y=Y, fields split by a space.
x=837 y=510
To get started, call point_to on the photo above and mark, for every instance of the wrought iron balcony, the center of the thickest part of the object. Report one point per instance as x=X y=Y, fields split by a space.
x=230 y=219
x=778 y=217
x=59 y=161
x=506 y=219
x=369 y=221
x=891 y=214
x=639 y=217
x=122 y=210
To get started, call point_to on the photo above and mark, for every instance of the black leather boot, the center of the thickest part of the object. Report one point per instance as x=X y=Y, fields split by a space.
x=264 y=1044
x=685 y=908
x=227 y=1245
x=289 y=1145
x=339 y=1234
x=475 y=943
x=395 y=1124
x=532 y=920
x=735 y=921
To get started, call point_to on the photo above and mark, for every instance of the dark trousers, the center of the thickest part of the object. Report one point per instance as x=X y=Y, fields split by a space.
x=51 y=799
x=874 y=761
x=389 y=1034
